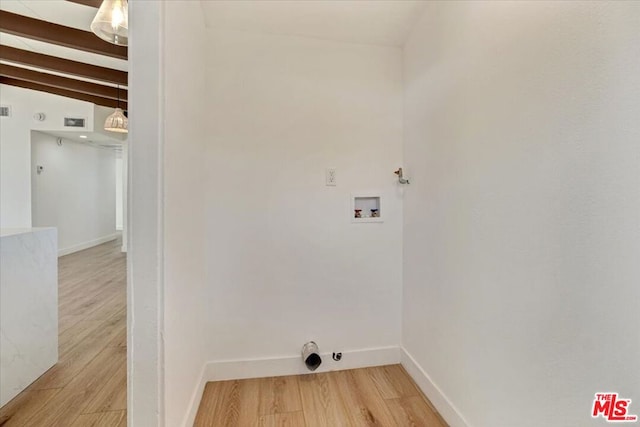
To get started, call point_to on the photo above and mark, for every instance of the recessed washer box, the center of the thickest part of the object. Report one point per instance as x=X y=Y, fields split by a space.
x=368 y=206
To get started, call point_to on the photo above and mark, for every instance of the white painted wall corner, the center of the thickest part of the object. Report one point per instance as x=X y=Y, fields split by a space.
x=447 y=410
x=196 y=397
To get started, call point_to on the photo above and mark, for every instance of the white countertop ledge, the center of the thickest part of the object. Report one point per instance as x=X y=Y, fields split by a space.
x=6 y=232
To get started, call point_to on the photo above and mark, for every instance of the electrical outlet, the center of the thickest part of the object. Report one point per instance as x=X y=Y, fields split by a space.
x=330 y=177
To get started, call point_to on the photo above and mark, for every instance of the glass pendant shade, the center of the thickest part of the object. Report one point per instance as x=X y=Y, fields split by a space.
x=117 y=122
x=112 y=22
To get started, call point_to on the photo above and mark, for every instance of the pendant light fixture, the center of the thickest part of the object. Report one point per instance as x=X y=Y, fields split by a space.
x=112 y=22
x=117 y=121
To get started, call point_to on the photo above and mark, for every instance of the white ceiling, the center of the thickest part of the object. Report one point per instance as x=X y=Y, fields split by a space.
x=60 y=12
x=62 y=52
x=95 y=139
x=383 y=22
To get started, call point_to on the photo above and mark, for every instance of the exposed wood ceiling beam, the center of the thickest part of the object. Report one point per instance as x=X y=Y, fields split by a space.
x=92 y=3
x=105 y=102
x=61 y=65
x=48 y=32
x=61 y=82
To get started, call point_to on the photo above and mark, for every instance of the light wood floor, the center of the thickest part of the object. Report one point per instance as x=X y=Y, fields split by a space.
x=88 y=385
x=383 y=396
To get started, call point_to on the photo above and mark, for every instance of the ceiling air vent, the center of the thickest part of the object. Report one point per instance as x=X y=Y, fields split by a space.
x=74 y=122
x=5 y=111
x=111 y=146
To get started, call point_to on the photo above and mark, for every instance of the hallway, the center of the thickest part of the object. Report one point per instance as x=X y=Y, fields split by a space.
x=88 y=385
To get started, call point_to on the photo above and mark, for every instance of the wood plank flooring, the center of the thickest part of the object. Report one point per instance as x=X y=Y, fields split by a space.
x=383 y=396
x=88 y=385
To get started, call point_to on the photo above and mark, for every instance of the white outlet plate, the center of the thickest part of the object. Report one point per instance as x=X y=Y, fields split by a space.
x=331 y=178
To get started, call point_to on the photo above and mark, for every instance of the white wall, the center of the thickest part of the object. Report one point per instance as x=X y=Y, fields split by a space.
x=185 y=292
x=15 y=146
x=74 y=193
x=119 y=192
x=280 y=249
x=285 y=263
x=521 y=223
x=145 y=257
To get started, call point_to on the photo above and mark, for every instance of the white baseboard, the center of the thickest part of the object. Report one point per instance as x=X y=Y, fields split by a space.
x=293 y=365
x=196 y=397
x=444 y=406
x=288 y=365
x=87 y=245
